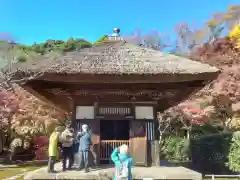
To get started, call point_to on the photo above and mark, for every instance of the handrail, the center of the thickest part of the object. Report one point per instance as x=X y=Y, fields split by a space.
x=112 y=141
x=107 y=146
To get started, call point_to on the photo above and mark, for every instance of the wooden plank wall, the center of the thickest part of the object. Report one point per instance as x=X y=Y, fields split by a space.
x=150 y=133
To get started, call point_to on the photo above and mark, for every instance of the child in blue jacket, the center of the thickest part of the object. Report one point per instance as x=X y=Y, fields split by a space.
x=121 y=158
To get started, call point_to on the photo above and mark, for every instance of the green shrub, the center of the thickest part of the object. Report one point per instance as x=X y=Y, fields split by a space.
x=21 y=58
x=234 y=154
x=209 y=152
x=175 y=149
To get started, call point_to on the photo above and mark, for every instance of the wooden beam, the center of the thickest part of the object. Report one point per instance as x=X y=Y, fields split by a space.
x=61 y=102
x=41 y=97
x=89 y=92
x=73 y=115
x=114 y=86
x=89 y=100
x=126 y=78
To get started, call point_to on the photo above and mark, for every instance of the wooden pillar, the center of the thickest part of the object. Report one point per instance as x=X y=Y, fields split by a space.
x=98 y=137
x=73 y=117
x=156 y=138
x=157 y=149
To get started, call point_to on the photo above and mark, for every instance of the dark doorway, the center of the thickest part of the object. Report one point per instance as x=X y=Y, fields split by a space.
x=113 y=134
x=114 y=129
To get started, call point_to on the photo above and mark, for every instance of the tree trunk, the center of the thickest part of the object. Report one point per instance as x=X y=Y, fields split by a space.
x=158 y=144
x=225 y=126
x=9 y=134
x=225 y=129
x=157 y=153
x=188 y=133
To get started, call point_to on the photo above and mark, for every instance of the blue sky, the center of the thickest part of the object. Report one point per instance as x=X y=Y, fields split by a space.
x=36 y=21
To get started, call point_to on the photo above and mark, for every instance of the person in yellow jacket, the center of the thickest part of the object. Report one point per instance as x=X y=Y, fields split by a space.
x=53 y=149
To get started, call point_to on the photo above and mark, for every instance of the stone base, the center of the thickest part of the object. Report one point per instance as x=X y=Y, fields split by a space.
x=107 y=173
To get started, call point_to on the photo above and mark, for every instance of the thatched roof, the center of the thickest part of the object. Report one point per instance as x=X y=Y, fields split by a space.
x=118 y=58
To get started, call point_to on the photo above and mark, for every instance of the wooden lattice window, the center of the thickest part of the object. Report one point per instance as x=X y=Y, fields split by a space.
x=121 y=111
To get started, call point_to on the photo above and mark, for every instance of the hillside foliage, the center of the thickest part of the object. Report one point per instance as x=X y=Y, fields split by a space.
x=27 y=52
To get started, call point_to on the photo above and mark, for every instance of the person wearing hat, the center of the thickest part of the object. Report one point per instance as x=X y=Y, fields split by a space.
x=84 y=147
x=53 y=152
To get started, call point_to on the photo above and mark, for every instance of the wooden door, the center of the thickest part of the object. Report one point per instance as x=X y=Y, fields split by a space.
x=95 y=148
x=138 y=142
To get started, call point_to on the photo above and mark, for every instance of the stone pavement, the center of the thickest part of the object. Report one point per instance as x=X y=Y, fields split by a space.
x=107 y=172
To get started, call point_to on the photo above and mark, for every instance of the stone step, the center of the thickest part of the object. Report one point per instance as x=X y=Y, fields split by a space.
x=107 y=173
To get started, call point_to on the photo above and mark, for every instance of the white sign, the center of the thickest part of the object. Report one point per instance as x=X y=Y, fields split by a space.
x=144 y=112
x=85 y=112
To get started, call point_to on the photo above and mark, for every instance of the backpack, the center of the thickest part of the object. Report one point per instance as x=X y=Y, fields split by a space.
x=122 y=171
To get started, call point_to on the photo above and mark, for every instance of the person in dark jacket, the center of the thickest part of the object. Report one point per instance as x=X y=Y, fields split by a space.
x=67 y=140
x=84 y=147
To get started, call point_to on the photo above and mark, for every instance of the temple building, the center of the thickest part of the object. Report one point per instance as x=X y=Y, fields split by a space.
x=116 y=88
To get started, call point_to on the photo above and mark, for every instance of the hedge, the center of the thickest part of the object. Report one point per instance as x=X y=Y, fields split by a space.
x=206 y=129
x=212 y=154
x=209 y=153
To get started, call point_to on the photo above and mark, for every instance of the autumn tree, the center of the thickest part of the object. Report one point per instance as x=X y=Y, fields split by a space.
x=223 y=93
x=218 y=102
x=177 y=122
x=215 y=27
x=232 y=16
x=153 y=40
x=22 y=116
x=8 y=101
x=9 y=105
x=187 y=38
x=34 y=116
x=33 y=119
x=222 y=110
x=224 y=98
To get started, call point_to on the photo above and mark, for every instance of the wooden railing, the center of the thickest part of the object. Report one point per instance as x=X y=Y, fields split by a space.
x=107 y=147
